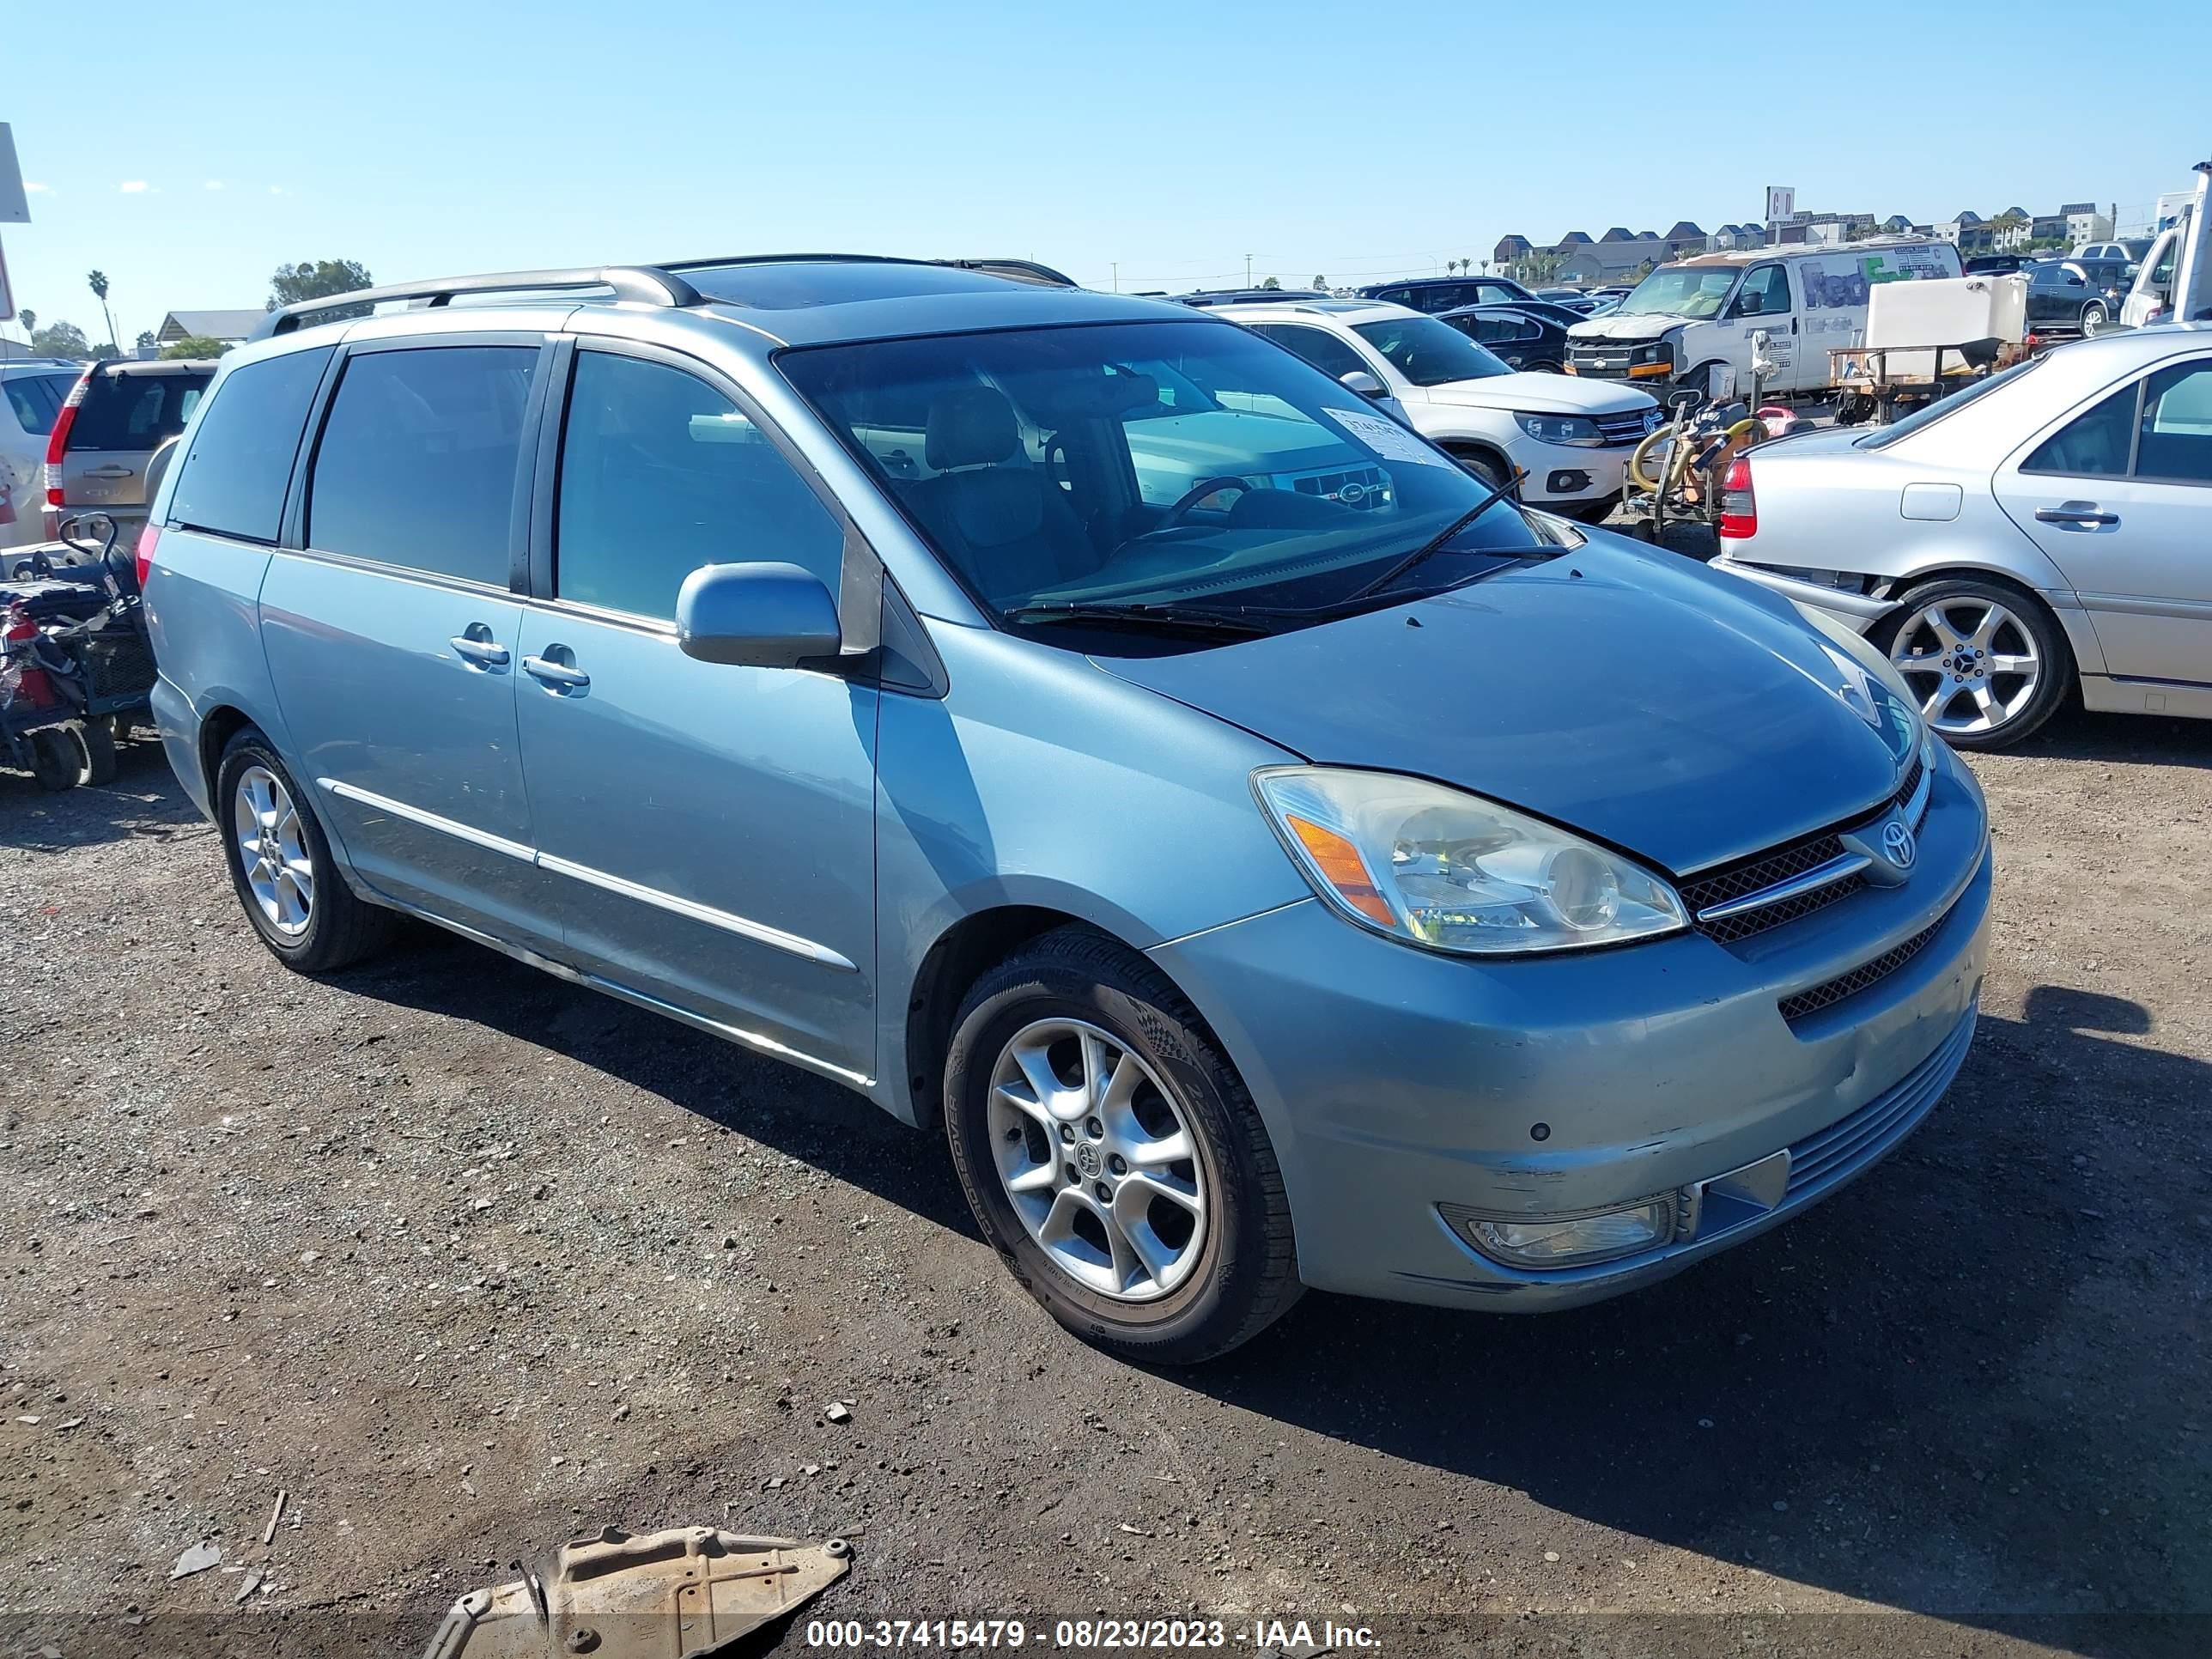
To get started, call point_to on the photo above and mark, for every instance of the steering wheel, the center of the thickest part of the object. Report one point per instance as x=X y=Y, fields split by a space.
x=1191 y=497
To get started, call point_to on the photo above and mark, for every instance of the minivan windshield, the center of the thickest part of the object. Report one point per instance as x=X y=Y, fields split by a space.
x=1429 y=352
x=1144 y=466
x=1680 y=291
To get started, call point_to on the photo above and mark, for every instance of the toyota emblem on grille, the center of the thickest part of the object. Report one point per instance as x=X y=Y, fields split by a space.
x=1896 y=843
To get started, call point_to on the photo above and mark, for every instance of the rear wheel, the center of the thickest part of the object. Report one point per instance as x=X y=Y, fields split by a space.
x=1113 y=1157
x=2094 y=317
x=1986 y=662
x=282 y=868
x=1489 y=469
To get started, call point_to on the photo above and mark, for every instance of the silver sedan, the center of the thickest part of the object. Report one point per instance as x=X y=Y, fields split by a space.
x=2048 y=529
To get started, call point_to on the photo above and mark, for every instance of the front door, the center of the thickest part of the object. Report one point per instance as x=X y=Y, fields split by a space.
x=710 y=829
x=1763 y=302
x=391 y=638
x=2118 y=498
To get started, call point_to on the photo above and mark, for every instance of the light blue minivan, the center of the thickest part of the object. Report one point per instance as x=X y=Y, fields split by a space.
x=1273 y=857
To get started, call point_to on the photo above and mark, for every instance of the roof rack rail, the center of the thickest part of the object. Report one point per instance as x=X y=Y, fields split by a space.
x=1206 y=298
x=1017 y=270
x=647 y=284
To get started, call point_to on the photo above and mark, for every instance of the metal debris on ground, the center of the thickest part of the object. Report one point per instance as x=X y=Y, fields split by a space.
x=620 y=1595
x=198 y=1559
x=276 y=1514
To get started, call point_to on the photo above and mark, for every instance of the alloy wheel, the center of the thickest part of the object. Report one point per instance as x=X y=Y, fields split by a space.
x=1971 y=663
x=1098 y=1161
x=272 y=850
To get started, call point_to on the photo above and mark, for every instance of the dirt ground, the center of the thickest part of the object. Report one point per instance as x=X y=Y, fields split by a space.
x=466 y=1260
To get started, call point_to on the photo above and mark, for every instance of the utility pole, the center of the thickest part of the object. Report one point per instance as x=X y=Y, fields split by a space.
x=1247 y=270
x=1117 y=275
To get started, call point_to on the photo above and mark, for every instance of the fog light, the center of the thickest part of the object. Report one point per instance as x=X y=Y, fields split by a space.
x=1566 y=1241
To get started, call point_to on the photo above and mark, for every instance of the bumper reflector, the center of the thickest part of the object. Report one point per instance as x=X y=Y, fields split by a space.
x=1568 y=1241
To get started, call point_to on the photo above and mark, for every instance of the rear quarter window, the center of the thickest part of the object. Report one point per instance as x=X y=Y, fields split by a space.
x=232 y=480
x=135 y=411
x=35 y=399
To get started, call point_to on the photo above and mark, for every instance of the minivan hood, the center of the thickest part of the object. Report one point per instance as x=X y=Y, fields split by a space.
x=1684 y=716
x=1643 y=325
x=1542 y=394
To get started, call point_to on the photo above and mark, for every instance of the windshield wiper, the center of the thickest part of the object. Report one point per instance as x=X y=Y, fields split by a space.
x=1144 y=614
x=1435 y=544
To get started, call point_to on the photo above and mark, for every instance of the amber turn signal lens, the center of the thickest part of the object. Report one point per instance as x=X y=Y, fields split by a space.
x=1342 y=866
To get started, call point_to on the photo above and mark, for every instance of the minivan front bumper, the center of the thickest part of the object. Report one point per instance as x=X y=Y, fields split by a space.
x=1406 y=1091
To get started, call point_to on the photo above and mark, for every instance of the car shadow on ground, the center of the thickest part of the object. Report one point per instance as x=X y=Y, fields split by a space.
x=1935 y=1342
x=142 y=803
x=2152 y=739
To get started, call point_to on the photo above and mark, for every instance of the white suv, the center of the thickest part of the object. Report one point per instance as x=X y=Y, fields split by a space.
x=1571 y=438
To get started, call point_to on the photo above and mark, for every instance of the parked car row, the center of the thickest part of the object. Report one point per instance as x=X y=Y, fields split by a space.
x=1272 y=854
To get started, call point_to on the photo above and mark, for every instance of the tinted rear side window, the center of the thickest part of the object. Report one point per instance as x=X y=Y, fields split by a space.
x=135 y=411
x=232 y=481
x=36 y=399
x=418 y=460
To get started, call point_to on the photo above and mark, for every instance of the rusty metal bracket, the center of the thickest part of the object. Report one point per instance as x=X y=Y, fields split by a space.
x=667 y=1594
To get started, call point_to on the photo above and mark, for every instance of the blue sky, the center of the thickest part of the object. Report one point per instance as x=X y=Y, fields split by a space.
x=1342 y=140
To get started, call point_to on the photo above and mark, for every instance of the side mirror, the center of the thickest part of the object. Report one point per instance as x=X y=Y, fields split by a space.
x=1359 y=380
x=757 y=616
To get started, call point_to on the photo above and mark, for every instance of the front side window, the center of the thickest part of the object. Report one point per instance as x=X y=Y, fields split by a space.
x=1317 y=346
x=232 y=479
x=1179 y=464
x=660 y=474
x=419 y=459
x=1766 y=293
x=1428 y=352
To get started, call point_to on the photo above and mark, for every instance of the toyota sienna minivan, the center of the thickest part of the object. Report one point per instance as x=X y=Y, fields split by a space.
x=1336 y=874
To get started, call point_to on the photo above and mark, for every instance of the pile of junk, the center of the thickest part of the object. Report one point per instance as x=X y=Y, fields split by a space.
x=75 y=665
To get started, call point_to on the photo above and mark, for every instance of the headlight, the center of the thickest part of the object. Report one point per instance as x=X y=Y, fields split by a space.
x=1452 y=872
x=1560 y=429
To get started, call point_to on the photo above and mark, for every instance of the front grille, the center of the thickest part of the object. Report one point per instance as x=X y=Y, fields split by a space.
x=1866 y=975
x=1626 y=428
x=1850 y=1145
x=1362 y=486
x=1760 y=870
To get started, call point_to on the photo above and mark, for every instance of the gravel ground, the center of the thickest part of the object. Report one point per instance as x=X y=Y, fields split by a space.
x=466 y=1260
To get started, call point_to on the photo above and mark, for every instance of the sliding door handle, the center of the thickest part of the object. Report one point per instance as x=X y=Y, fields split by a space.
x=556 y=675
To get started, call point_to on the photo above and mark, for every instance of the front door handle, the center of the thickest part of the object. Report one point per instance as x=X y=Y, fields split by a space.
x=475 y=647
x=557 y=677
x=2080 y=513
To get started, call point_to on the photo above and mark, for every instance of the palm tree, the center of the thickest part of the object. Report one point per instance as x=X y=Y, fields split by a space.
x=29 y=319
x=98 y=282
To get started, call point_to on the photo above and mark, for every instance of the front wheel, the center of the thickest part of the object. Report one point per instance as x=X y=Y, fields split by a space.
x=2094 y=318
x=1113 y=1157
x=1986 y=662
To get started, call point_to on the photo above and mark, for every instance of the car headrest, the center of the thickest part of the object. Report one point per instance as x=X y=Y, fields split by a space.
x=972 y=427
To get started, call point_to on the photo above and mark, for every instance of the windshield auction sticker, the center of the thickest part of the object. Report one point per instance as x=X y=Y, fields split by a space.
x=1385 y=437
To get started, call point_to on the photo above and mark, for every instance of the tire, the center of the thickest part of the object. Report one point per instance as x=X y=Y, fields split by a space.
x=1487 y=468
x=98 y=736
x=58 y=758
x=2094 y=317
x=1963 y=720
x=332 y=928
x=1235 y=1271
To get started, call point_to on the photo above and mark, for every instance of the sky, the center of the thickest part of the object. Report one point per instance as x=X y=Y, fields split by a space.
x=1143 y=145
